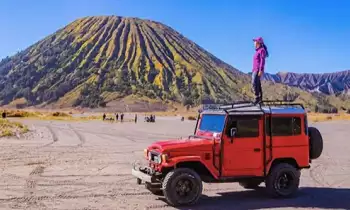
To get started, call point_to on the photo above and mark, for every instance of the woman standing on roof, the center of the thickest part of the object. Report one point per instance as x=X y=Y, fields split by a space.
x=258 y=67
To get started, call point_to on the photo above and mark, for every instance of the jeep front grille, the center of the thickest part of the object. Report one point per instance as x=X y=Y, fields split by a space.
x=154 y=157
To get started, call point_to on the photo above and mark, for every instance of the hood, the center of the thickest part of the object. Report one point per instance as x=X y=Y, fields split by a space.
x=180 y=144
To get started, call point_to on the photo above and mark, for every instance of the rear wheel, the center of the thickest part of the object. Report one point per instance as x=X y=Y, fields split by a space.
x=283 y=180
x=182 y=186
x=251 y=184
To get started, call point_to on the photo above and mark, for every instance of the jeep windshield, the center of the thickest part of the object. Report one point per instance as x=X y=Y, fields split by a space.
x=212 y=123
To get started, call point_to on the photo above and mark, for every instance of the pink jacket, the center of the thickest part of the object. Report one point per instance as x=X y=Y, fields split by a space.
x=259 y=60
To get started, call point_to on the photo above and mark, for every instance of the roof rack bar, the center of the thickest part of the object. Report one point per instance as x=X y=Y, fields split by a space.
x=236 y=103
x=285 y=104
x=242 y=102
x=246 y=111
x=232 y=106
x=239 y=107
x=282 y=103
x=286 y=101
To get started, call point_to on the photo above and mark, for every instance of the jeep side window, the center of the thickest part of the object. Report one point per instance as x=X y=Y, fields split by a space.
x=284 y=126
x=246 y=126
x=296 y=126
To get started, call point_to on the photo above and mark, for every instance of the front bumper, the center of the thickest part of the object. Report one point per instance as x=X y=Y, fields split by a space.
x=145 y=174
x=142 y=176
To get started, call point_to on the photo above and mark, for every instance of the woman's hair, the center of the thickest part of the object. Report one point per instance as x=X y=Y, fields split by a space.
x=265 y=48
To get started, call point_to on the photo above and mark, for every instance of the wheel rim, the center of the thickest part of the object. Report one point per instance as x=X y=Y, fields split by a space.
x=185 y=190
x=284 y=182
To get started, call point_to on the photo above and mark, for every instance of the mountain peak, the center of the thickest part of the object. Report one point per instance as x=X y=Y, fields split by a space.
x=103 y=58
x=116 y=17
x=327 y=83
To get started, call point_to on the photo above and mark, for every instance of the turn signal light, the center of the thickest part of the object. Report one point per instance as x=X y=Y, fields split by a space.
x=165 y=158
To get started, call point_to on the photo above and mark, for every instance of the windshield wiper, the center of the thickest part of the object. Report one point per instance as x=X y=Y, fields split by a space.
x=199 y=137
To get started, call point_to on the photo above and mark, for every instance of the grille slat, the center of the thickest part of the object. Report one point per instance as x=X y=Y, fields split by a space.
x=154 y=156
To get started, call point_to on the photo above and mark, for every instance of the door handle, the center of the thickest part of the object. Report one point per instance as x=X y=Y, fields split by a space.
x=257 y=149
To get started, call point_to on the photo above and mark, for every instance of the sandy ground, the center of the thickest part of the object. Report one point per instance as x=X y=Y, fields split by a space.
x=87 y=165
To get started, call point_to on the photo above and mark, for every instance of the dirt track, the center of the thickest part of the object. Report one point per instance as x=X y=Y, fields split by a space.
x=86 y=165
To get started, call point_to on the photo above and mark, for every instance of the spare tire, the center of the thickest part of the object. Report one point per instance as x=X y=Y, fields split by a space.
x=315 y=142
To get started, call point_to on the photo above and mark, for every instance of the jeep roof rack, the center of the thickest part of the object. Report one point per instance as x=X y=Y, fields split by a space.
x=249 y=106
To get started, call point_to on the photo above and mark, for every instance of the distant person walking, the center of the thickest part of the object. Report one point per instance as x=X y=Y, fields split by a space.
x=104 y=116
x=121 y=117
x=135 y=118
x=116 y=116
x=258 y=68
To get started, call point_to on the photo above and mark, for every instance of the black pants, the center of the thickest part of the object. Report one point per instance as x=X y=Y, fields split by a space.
x=256 y=86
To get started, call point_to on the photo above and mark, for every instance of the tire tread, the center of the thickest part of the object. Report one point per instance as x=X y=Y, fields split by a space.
x=272 y=175
x=175 y=172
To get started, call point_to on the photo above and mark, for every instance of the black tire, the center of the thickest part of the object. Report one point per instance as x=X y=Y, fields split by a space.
x=251 y=184
x=179 y=180
x=316 y=143
x=283 y=181
x=154 y=190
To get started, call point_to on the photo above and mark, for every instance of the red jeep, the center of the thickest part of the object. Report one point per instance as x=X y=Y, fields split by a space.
x=240 y=142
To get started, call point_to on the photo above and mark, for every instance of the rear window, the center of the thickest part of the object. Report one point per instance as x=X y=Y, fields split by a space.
x=284 y=126
x=212 y=123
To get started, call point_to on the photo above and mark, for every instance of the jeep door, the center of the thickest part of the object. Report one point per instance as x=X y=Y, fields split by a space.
x=243 y=154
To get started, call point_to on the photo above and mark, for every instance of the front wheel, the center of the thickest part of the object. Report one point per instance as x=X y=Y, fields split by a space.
x=283 y=180
x=182 y=186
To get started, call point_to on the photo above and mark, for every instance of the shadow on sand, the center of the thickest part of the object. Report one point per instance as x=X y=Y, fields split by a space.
x=307 y=197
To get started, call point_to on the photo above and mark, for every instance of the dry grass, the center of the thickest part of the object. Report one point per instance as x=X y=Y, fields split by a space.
x=57 y=115
x=320 y=117
x=191 y=118
x=20 y=113
x=8 y=128
x=37 y=114
x=60 y=114
x=185 y=114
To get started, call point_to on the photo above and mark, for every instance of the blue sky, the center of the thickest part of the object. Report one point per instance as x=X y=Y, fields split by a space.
x=302 y=35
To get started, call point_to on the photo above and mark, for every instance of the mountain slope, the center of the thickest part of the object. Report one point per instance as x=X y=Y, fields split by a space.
x=113 y=54
x=96 y=61
x=328 y=83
